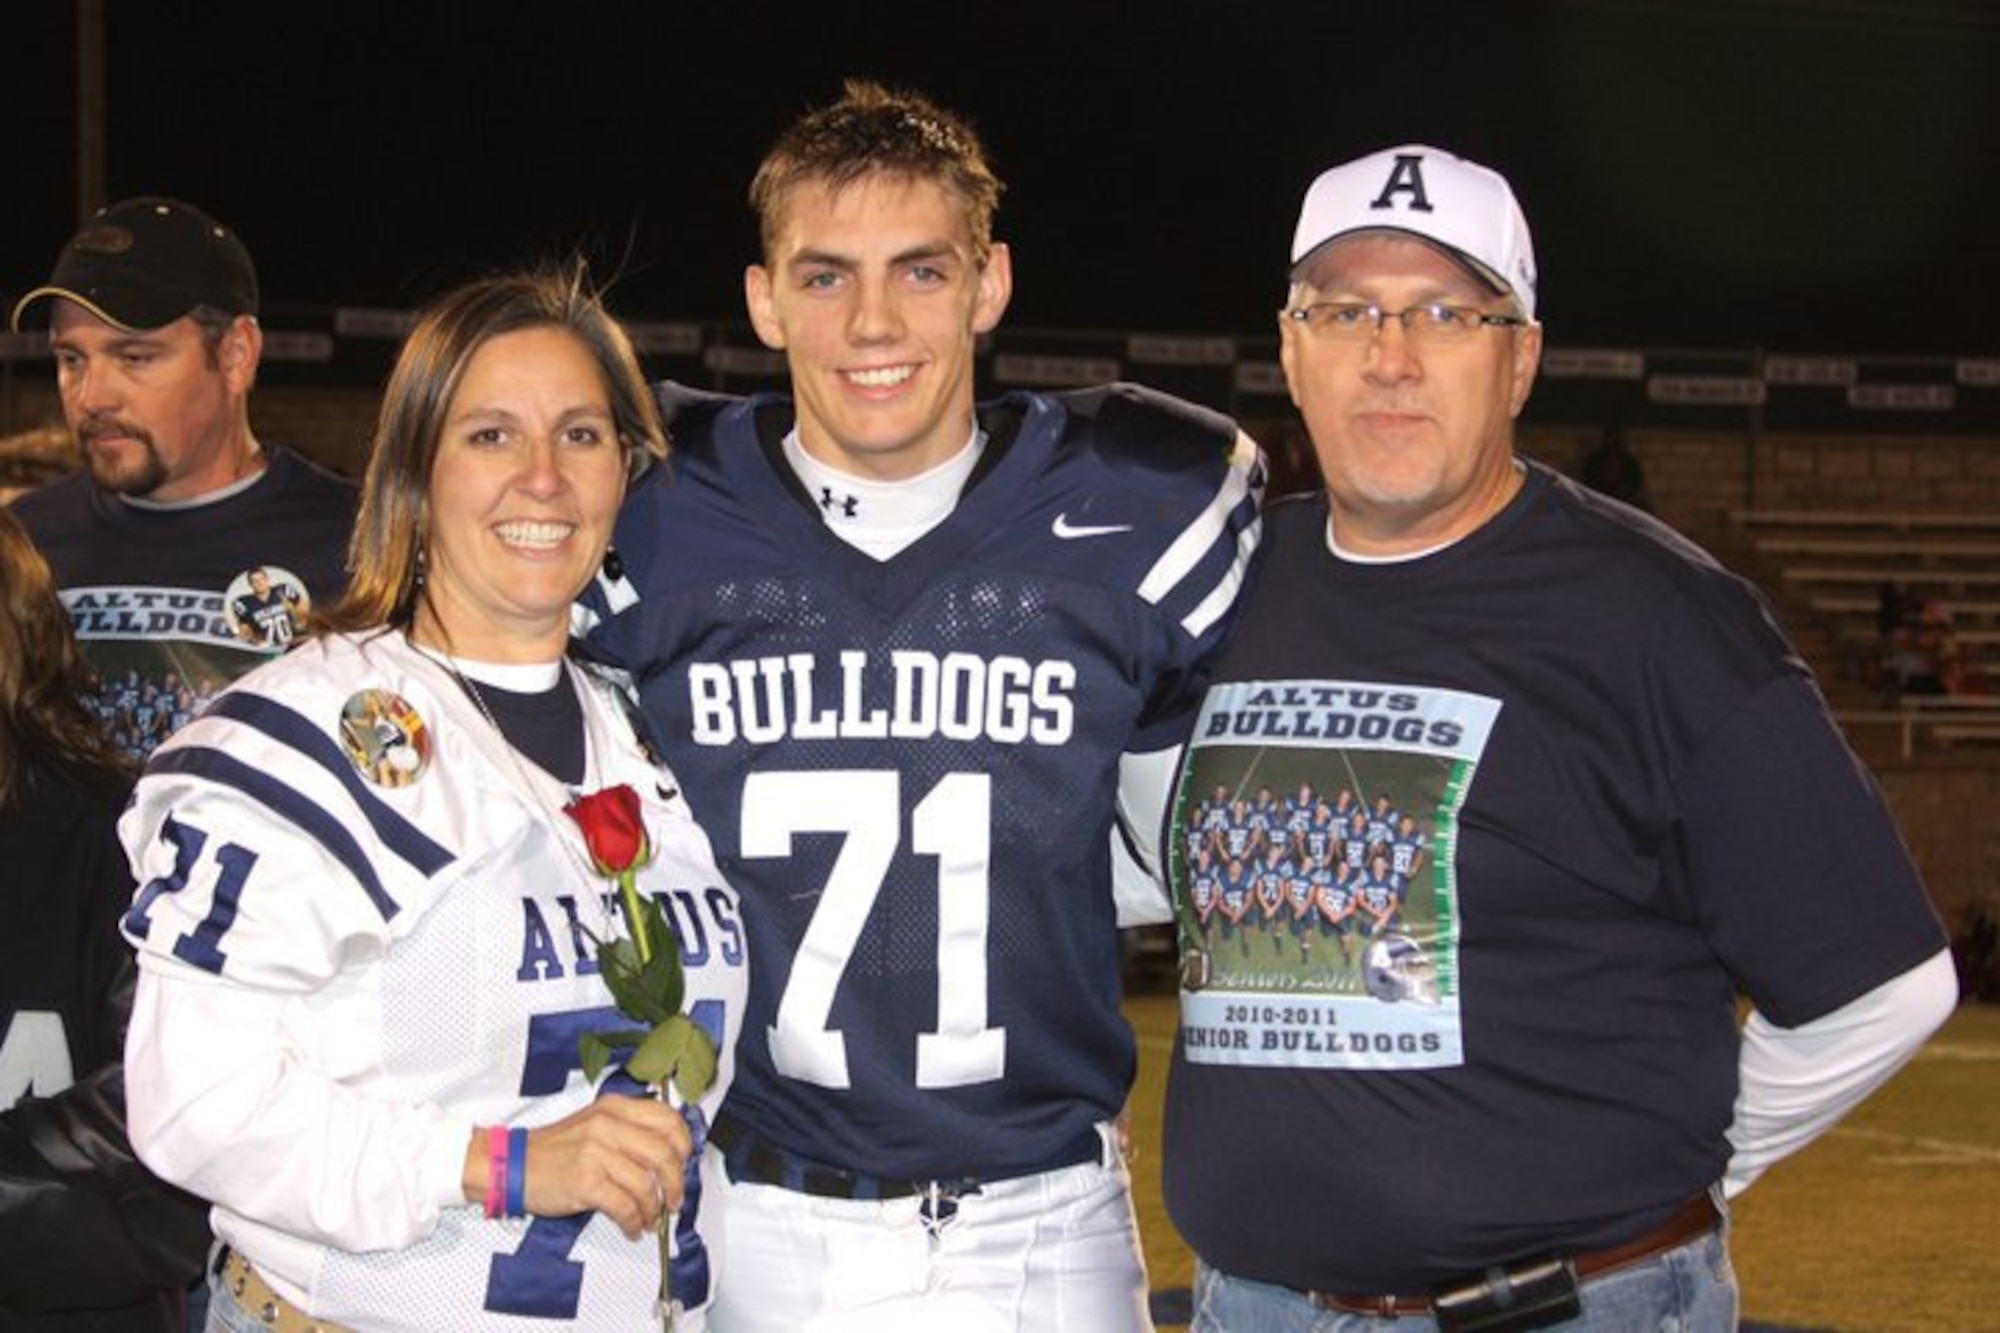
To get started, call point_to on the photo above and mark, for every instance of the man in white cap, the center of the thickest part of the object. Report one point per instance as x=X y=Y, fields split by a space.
x=1531 y=1109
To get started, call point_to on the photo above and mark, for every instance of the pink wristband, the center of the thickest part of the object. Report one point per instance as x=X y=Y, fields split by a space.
x=496 y=1171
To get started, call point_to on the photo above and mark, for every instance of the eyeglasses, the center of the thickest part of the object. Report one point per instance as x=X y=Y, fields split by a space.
x=1362 y=321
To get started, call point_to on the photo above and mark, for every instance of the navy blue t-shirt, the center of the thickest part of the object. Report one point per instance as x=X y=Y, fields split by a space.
x=1631 y=802
x=163 y=600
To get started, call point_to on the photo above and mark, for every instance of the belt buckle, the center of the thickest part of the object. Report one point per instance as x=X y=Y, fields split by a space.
x=939 y=1203
x=261 y=1301
x=1376 y=1307
x=1384 y=1307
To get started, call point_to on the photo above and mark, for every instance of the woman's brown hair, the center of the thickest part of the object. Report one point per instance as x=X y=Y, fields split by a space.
x=387 y=553
x=42 y=676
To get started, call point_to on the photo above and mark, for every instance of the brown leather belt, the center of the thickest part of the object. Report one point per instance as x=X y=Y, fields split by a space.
x=266 y=1306
x=1693 y=1219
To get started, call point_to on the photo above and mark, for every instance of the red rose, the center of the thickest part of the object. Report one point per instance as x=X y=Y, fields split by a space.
x=643 y=972
x=612 y=829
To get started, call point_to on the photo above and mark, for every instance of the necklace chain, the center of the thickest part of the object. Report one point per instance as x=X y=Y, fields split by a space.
x=665 y=1091
x=533 y=789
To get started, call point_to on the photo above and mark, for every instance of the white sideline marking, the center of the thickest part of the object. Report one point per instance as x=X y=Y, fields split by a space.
x=1958 y=1050
x=1925 y=1152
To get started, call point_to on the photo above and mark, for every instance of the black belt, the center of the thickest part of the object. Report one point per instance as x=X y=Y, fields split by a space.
x=753 y=1158
x=1693 y=1219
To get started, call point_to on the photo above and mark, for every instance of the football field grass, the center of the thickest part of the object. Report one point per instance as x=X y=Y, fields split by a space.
x=1888 y=1224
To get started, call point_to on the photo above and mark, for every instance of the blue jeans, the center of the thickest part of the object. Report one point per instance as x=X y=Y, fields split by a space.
x=226 y=1313
x=1690 y=1289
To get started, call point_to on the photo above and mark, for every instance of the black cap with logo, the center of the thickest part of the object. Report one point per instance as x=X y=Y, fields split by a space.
x=143 y=263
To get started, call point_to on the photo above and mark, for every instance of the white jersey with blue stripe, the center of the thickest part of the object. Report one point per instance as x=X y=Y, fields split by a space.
x=364 y=928
x=909 y=765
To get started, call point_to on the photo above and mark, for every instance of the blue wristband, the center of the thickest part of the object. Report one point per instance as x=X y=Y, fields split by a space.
x=517 y=1172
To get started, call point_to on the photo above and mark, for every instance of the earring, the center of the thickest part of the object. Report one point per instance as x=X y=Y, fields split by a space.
x=614 y=567
x=418 y=582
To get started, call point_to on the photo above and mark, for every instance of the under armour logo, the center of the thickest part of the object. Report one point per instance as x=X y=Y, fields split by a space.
x=1406 y=177
x=846 y=504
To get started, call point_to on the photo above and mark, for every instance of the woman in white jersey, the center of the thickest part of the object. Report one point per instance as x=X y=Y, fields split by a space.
x=368 y=923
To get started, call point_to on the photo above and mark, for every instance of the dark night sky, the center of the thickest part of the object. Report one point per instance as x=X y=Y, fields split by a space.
x=1801 y=175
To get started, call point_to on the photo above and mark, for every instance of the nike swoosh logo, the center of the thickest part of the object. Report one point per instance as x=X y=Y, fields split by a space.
x=1069 y=531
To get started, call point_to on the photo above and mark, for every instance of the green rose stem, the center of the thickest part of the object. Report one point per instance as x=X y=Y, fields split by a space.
x=672 y=1056
x=628 y=888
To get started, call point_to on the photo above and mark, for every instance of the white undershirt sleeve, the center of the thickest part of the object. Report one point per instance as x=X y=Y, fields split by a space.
x=1794 y=1083
x=1138 y=875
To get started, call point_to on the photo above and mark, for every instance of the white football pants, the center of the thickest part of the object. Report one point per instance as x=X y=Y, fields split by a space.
x=1052 y=1253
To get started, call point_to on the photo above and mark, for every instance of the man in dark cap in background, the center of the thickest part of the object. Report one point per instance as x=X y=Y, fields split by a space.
x=152 y=313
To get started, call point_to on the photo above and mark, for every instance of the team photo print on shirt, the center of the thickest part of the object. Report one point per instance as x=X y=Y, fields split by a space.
x=1313 y=873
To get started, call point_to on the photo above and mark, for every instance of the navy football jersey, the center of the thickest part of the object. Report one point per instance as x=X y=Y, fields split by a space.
x=1335 y=891
x=1321 y=839
x=1204 y=887
x=1270 y=892
x=1301 y=894
x=908 y=766
x=1406 y=851
x=1236 y=882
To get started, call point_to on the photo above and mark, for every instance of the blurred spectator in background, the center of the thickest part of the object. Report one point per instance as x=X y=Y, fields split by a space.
x=1892 y=604
x=1613 y=469
x=91 y=1240
x=1978 y=950
x=1921 y=654
x=1941 y=665
x=152 y=314
x=35 y=457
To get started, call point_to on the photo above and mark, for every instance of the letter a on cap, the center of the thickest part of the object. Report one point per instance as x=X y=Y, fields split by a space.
x=1406 y=177
x=1471 y=215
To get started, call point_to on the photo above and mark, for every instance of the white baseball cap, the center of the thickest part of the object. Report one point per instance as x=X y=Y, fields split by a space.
x=1464 y=209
